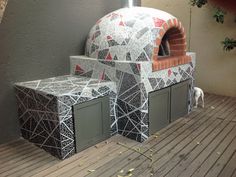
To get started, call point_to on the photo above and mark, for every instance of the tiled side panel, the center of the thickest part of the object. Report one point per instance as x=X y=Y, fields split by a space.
x=47 y=120
x=38 y=119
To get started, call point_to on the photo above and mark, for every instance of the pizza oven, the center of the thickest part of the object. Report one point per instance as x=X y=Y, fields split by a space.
x=139 y=34
x=142 y=50
x=134 y=79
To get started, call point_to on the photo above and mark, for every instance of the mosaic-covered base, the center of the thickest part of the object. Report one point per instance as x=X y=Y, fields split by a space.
x=45 y=110
x=134 y=81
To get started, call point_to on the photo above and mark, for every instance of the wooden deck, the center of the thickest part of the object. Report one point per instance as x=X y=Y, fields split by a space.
x=202 y=144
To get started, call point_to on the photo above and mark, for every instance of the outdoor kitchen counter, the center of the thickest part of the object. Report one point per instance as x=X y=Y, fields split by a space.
x=66 y=85
x=45 y=109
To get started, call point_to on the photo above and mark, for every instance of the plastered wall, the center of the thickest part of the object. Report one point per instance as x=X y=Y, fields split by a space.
x=36 y=39
x=215 y=69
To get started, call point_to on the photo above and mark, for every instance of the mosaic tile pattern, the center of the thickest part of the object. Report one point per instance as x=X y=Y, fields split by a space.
x=45 y=109
x=134 y=81
x=129 y=34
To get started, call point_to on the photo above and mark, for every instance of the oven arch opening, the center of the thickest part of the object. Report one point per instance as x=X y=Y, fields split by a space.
x=171 y=47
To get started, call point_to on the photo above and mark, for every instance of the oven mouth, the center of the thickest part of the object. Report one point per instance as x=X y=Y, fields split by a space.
x=171 y=47
x=164 y=48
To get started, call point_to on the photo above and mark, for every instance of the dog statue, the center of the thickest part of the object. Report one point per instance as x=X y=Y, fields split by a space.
x=198 y=93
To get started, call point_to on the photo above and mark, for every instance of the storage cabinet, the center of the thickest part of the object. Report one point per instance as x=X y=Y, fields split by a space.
x=159 y=109
x=179 y=100
x=167 y=105
x=92 y=122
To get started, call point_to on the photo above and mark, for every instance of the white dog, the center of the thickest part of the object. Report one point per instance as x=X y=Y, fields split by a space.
x=198 y=93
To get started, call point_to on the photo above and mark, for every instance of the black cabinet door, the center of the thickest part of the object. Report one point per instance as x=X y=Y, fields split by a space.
x=91 y=122
x=179 y=100
x=159 y=109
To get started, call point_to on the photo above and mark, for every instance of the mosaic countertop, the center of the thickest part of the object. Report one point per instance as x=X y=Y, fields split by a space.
x=63 y=85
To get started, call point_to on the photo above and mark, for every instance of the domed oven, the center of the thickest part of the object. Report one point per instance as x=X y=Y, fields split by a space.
x=139 y=34
x=143 y=50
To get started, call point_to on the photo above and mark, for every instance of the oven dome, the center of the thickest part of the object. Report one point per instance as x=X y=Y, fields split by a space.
x=136 y=34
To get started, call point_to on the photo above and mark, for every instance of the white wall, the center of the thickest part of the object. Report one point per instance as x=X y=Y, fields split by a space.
x=216 y=69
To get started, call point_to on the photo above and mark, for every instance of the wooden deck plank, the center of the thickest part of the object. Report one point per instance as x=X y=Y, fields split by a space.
x=99 y=160
x=26 y=163
x=82 y=156
x=194 y=122
x=196 y=163
x=15 y=150
x=91 y=160
x=161 y=162
x=32 y=166
x=224 y=157
x=8 y=146
x=229 y=167
x=188 y=146
x=126 y=158
x=125 y=155
x=162 y=165
x=212 y=158
x=174 y=159
x=183 y=163
x=234 y=173
x=161 y=136
x=41 y=168
x=22 y=159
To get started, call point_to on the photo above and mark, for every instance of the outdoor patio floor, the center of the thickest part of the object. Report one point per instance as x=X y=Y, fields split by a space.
x=200 y=144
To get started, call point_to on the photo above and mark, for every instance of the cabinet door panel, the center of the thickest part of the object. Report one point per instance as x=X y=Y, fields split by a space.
x=179 y=100
x=159 y=108
x=91 y=122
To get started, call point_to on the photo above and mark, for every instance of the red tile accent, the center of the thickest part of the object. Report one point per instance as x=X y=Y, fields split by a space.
x=79 y=69
x=138 y=66
x=121 y=23
x=158 y=22
x=169 y=72
x=109 y=37
x=109 y=57
x=102 y=76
